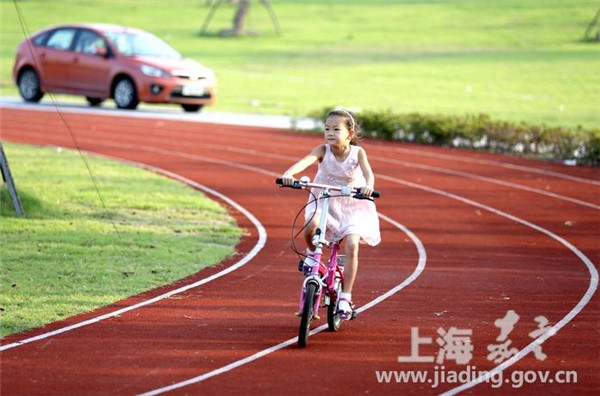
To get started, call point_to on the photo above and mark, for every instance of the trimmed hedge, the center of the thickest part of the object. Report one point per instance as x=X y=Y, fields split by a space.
x=480 y=132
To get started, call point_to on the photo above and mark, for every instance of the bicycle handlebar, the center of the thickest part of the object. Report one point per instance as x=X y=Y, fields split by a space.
x=299 y=184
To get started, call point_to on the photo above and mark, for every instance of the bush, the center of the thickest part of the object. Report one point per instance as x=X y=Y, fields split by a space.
x=480 y=132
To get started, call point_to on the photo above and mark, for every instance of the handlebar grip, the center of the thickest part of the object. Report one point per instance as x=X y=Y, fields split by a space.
x=374 y=194
x=295 y=185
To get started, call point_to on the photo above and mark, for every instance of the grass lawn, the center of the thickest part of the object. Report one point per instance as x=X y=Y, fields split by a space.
x=72 y=253
x=518 y=60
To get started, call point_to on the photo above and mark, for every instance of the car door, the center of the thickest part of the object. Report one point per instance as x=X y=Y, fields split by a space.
x=91 y=64
x=55 y=58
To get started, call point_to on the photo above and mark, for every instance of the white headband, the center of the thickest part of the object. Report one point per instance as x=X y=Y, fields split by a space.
x=349 y=116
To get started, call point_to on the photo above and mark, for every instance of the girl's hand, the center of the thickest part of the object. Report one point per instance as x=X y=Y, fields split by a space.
x=366 y=191
x=288 y=179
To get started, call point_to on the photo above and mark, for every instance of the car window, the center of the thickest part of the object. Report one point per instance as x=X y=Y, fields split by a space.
x=61 y=39
x=89 y=42
x=39 y=39
x=141 y=44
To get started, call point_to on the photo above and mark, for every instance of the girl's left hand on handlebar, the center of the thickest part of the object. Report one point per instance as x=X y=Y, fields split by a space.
x=366 y=191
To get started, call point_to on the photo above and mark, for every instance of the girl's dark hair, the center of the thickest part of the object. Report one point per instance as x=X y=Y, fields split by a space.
x=349 y=121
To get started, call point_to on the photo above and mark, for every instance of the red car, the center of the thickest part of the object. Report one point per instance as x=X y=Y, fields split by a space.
x=106 y=61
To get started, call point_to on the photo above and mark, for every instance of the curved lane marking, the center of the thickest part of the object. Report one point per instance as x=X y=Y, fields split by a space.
x=262 y=238
x=250 y=120
x=491 y=180
x=524 y=168
x=238 y=363
x=408 y=164
x=580 y=305
x=554 y=329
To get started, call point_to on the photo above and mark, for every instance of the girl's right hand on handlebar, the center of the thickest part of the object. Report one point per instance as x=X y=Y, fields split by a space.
x=287 y=179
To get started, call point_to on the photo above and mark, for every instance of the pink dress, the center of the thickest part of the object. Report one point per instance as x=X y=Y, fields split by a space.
x=346 y=215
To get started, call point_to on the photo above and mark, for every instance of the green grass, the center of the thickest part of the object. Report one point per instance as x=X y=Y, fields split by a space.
x=72 y=254
x=519 y=60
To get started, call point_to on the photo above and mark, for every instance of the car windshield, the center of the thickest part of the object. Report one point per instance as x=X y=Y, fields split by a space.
x=141 y=44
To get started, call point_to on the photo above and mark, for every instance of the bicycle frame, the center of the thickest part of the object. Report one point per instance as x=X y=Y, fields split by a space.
x=324 y=276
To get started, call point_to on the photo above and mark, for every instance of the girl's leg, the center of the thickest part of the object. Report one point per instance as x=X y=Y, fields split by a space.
x=351 y=266
x=309 y=231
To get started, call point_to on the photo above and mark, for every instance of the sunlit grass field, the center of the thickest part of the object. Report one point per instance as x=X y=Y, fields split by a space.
x=85 y=244
x=517 y=60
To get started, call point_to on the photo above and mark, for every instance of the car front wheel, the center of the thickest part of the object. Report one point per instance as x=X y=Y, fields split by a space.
x=125 y=94
x=29 y=86
x=191 y=108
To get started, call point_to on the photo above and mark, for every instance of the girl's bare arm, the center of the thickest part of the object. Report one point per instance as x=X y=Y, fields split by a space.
x=363 y=161
x=315 y=155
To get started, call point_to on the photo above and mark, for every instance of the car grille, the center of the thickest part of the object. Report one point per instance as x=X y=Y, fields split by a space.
x=176 y=93
x=193 y=77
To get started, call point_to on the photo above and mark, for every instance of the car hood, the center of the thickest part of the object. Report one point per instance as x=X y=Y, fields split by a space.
x=182 y=66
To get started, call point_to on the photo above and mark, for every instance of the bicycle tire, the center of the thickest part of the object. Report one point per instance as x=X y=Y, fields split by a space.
x=334 y=322
x=307 y=315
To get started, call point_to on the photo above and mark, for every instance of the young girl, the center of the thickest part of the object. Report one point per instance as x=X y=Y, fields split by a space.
x=341 y=163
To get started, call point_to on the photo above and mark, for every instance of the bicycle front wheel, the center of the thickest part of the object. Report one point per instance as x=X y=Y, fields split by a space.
x=334 y=322
x=307 y=314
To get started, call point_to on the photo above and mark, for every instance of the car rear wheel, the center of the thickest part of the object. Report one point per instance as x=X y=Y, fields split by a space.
x=125 y=94
x=191 y=108
x=94 y=101
x=29 y=86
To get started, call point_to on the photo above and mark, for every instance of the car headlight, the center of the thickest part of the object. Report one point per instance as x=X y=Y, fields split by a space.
x=153 y=71
x=210 y=78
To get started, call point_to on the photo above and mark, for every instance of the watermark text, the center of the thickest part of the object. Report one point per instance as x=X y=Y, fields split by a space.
x=440 y=375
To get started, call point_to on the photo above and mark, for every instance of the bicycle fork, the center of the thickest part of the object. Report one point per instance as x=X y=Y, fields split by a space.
x=317 y=298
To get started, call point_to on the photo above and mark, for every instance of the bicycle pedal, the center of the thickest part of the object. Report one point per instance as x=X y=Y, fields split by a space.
x=354 y=315
x=300 y=265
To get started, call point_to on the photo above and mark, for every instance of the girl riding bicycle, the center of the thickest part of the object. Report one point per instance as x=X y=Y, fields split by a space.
x=341 y=162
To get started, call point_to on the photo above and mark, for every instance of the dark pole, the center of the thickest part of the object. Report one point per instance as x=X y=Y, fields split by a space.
x=12 y=189
x=212 y=11
x=593 y=23
x=272 y=15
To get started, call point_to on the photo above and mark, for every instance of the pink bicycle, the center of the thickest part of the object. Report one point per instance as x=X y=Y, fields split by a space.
x=322 y=280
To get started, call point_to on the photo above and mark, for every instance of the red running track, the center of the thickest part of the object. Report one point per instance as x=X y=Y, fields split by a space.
x=497 y=234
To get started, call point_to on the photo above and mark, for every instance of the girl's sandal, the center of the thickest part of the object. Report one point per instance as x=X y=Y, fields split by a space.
x=345 y=309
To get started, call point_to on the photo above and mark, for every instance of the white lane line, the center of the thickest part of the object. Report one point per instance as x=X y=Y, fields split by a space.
x=407 y=164
x=387 y=160
x=273 y=122
x=415 y=274
x=593 y=285
x=490 y=180
x=164 y=113
x=523 y=168
x=593 y=273
x=262 y=238
x=467 y=175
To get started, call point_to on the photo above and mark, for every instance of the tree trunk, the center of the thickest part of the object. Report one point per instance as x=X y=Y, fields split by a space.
x=239 y=19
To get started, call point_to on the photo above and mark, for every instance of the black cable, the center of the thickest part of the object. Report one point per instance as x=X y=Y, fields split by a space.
x=301 y=256
x=293 y=246
x=26 y=34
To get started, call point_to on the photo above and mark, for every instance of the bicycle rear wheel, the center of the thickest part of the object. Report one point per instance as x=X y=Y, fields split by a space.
x=307 y=315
